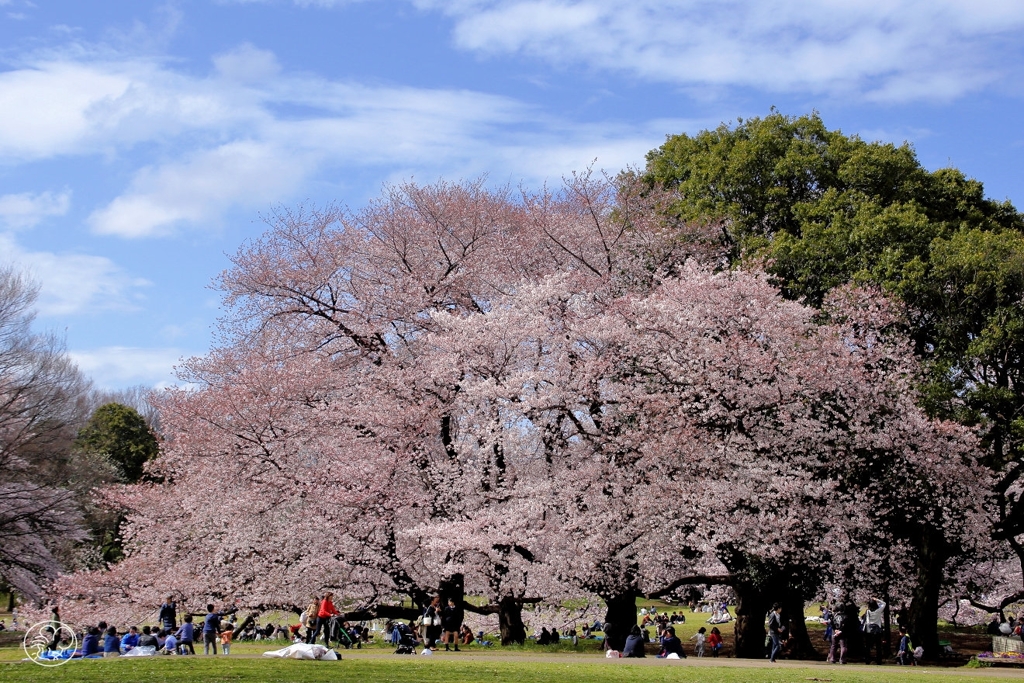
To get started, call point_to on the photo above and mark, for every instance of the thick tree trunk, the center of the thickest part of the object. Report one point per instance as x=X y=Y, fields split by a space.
x=924 y=606
x=454 y=588
x=751 y=606
x=793 y=616
x=510 y=622
x=10 y=600
x=619 y=619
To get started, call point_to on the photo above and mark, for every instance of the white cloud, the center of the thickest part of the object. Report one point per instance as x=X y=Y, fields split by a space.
x=248 y=135
x=891 y=50
x=196 y=190
x=247 y=63
x=25 y=210
x=74 y=283
x=115 y=367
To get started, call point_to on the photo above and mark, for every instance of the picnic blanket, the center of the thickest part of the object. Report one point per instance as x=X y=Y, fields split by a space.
x=304 y=651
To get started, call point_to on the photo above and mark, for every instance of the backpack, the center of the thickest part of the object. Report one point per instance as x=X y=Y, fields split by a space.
x=838 y=621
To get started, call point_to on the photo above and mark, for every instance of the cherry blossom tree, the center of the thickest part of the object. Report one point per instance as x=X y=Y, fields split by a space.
x=457 y=389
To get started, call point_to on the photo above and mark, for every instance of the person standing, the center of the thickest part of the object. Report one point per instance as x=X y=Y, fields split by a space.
x=840 y=636
x=308 y=618
x=715 y=641
x=874 y=620
x=323 y=618
x=168 y=615
x=225 y=640
x=451 y=622
x=211 y=628
x=699 y=636
x=775 y=630
x=432 y=622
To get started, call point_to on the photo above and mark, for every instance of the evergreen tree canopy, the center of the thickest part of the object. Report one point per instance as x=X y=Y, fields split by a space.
x=122 y=434
x=823 y=209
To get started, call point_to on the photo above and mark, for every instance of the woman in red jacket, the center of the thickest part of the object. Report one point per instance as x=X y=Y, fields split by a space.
x=323 y=618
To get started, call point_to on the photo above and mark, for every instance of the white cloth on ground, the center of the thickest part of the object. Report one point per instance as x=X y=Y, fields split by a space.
x=304 y=651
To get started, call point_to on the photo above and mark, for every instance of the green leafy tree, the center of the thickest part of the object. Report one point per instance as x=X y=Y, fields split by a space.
x=821 y=209
x=122 y=435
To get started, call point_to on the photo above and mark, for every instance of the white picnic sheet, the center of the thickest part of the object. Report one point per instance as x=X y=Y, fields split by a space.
x=304 y=651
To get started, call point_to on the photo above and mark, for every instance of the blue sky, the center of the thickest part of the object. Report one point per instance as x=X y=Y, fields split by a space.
x=142 y=142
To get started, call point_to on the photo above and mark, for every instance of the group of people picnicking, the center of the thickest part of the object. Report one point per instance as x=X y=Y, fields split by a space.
x=441 y=624
x=168 y=638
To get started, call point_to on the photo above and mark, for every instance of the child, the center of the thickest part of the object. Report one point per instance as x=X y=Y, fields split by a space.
x=905 y=655
x=225 y=640
x=700 y=638
x=170 y=645
x=715 y=641
x=186 y=636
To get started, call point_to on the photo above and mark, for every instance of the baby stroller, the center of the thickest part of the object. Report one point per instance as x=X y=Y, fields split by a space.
x=406 y=641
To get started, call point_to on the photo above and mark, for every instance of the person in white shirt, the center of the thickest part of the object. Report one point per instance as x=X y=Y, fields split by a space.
x=874 y=622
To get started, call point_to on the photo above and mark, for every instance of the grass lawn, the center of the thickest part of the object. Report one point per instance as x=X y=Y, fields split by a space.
x=557 y=668
x=527 y=664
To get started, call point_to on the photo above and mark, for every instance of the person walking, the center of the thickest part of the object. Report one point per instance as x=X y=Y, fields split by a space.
x=324 y=613
x=775 y=630
x=874 y=620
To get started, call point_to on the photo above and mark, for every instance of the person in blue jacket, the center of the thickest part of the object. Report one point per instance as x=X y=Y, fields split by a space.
x=111 y=643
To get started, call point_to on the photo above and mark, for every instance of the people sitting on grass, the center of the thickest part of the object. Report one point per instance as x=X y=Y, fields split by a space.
x=91 y=642
x=466 y=635
x=130 y=640
x=111 y=643
x=544 y=638
x=170 y=645
x=147 y=639
x=634 y=644
x=670 y=644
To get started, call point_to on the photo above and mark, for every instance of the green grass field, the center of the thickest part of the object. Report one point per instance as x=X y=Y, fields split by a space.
x=524 y=664
x=517 y=668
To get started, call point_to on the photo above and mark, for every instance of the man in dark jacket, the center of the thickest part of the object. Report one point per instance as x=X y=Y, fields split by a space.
x=168 y=615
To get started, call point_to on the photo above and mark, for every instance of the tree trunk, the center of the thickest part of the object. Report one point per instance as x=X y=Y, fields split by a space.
x=242 y=624
x=793 y=616
x=924 y=606
x=619 y=619
x=510 y=622
x=10 y=600
x=454 y=588
x=751 y=606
